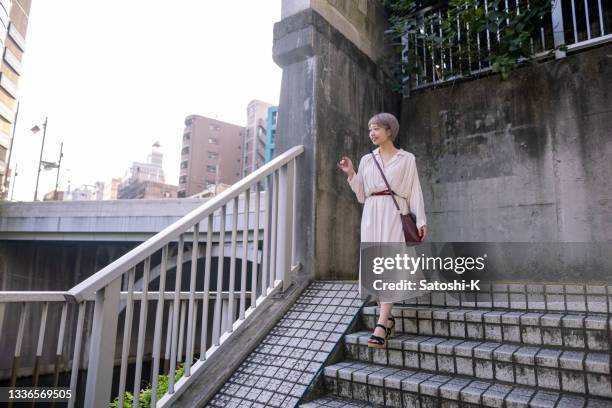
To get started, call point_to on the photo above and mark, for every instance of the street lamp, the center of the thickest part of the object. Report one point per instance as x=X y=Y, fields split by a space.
x=36 y=129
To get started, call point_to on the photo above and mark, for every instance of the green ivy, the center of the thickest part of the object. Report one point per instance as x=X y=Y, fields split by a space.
x=144 y=399
x=457 y=29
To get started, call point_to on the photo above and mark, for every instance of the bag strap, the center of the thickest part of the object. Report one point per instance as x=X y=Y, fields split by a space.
x=385 y=179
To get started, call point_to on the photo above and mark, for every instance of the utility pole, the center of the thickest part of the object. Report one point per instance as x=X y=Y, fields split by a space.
x=42 y=146
x=218 y=166
x=59 y=164
x=14 y=181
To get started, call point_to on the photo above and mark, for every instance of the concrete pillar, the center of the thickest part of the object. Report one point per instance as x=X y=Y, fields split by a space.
x=331 y=86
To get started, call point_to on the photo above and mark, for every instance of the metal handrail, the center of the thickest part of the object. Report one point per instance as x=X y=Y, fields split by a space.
x=267 y=195
x=49 y=296
x=120 y=266
x=32 y=296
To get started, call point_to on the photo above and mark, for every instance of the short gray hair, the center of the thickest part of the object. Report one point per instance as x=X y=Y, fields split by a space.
x=386 y=120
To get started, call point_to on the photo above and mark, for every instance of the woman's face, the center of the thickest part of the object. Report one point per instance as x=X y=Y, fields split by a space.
x=379 y=134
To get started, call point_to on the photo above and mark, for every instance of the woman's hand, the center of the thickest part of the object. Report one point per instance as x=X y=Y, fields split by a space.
x=423 y=232
x=346 y=165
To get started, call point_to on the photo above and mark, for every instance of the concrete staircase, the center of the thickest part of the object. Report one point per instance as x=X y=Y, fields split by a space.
x=456 y=356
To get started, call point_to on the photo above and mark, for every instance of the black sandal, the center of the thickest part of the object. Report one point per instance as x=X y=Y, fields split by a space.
x=377 y=341
x=391 y=330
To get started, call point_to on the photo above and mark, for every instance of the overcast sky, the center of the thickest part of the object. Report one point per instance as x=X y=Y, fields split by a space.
x=115 y=76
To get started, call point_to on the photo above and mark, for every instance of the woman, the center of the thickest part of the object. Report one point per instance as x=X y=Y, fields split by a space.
x=380 y=221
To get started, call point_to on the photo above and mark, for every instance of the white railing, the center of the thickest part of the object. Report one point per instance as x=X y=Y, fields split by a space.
x=181 y=313
x=574 y=24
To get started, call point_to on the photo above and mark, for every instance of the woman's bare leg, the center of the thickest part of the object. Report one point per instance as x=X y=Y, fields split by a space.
x=385 y=312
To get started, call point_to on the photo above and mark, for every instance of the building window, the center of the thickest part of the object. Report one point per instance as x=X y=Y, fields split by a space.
x=211 y=169
x=188 y=122
x=213 y=155
x=184 y=164
x=182 y=179
x=187 y=136
x=209 y=182
x=214 y=128
x=185 y=150
x=181 y=193
x=213 y=140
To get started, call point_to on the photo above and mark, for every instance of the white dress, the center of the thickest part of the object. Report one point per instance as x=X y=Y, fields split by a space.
x=380 y=221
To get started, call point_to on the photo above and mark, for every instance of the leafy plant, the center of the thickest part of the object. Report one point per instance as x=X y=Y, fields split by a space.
x=461 y=37
x=144 y=398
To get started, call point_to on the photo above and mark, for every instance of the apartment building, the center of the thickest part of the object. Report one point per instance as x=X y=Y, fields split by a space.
x=210 y=154
x=14 y=16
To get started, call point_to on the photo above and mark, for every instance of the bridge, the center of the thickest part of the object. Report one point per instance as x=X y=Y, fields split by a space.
x=107 y=221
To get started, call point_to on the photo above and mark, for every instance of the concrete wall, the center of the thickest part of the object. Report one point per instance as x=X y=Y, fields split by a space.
x=362 y=22
x=330 y=88
x=524 y=160
x=53 y=266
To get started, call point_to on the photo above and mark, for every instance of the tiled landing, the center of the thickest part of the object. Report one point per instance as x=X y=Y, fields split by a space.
x=280 y=370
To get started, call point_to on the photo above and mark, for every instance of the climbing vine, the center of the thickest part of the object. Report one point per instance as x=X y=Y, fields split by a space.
x=459 y=38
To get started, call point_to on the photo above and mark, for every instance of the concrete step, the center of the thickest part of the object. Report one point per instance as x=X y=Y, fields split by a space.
x=568 y=330
x=545 y=367
x=331 y=401
x=386 y=386
x=544 y=297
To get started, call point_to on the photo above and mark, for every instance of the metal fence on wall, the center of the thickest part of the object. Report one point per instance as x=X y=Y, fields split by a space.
x=573 y=23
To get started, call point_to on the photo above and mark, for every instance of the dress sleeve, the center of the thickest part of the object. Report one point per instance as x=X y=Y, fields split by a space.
x=417 y=206
x=356 y=183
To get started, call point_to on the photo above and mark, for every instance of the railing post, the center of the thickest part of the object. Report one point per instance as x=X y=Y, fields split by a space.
x=285 y=224
x=557 y=27
x=102 y=349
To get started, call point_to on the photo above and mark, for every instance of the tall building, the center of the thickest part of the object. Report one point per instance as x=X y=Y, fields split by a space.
x=271 y=132
x=210 y=154
x=255 y=134
x=146 y=180
x=14 y=16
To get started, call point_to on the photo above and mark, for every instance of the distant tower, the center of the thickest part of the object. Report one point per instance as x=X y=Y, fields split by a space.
x=146 y=180
x=156 y=156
